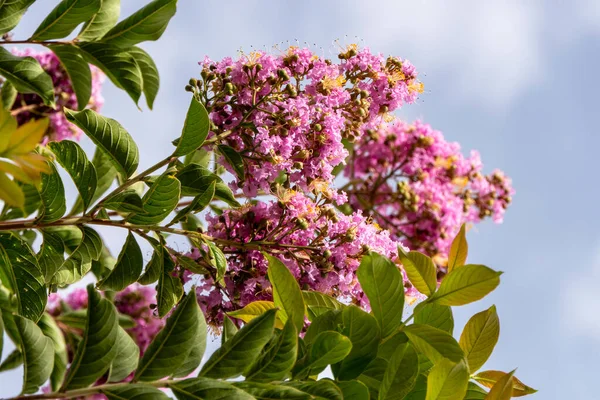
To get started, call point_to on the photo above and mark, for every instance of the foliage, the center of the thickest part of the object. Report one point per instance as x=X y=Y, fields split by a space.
x=308 y=290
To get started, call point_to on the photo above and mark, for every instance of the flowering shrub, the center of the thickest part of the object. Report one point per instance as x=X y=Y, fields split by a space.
x=324 y=215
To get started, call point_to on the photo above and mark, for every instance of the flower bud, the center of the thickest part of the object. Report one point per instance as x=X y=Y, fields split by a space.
x=282 y=73
x=302 y=223
x=189 y=88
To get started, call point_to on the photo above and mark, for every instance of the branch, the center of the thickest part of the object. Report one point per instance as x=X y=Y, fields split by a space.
x=69 y=394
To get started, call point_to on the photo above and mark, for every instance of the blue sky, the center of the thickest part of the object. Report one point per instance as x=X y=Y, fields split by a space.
x=515 y=80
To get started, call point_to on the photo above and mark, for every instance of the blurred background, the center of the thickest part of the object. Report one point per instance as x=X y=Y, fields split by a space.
x=515 y=80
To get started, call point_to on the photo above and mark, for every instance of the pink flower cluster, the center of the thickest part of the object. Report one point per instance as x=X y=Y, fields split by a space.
x=420 y=187
x=30 y=106
x=287 y=114
x=321 y=247
x=135 y=301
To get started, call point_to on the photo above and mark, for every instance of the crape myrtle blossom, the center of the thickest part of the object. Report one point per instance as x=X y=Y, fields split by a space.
x=321 y=247
x=30 y=106
x=292 y=118
x=420 y=187
x=287 y=114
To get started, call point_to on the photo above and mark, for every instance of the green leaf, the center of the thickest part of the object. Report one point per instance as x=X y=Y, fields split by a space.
x=277 y=358
x=170 y=348
x=73 y=159
x=421 y=271
x=12 y=361
x=106 y=17
x=127 y=357
x=466 y=285
x=8 y=94
x=97 y=349
x=150 y=78
x=106 y=174
x=51 y=255
x=363 y=331
x=234 y=356
x=252 y=310
x=64 y=18
x=126 y=201
x=459 y=250
x=229 y=330
x=38 y=354
x=234 y=159
x=503 y=388
x=26 y=75
x=1 y=334
x=489 y=379
x=110 y=136
x=373 y=375
x=264 y=391
x=448 y=381
x=194 y=359
x=434 y=343
x=382 y=282
x=474 y=392
x=136 y=391
x=11 y=13
x=198 y=204
x=159 y=201
x=353 y=390
x=118 y=64
x=21 y=274
x=401 y=373
x=195 y=129
x=327 y=321
x=128 y=267
x=433 y=314
x=329 y=347
x=148 y=23
x=388 y=346
x=78 y=318
x=79 y=262
x=419 y=391
x=318 y=303
x=153 y=268
x=218 y=260
x=286 y=292
x=51 y=330
x=205 y=388
x=195 y=178
x=479 y=337
x=322 y=390
x=169 y=289
x=78 y=70
x=52 y=194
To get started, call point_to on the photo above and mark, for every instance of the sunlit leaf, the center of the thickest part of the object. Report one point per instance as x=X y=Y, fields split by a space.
x=479 y=337
x=466 y=284
x=148 y=23
x=65 y=17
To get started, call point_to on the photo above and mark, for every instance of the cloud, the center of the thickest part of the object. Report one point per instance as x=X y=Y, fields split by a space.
x=489 y=51
x=580 y=301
